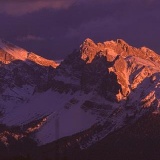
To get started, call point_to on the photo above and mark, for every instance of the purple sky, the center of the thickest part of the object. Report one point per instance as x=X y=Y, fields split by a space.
x=54 y=28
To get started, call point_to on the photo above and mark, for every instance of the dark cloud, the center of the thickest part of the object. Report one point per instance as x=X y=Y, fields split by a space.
x=21 y=7
x=55 y=31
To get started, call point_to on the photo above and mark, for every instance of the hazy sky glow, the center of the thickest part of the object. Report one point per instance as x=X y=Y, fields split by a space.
x=54 y=28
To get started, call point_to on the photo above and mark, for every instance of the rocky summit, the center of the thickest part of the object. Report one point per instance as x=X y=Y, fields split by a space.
x=98 y=90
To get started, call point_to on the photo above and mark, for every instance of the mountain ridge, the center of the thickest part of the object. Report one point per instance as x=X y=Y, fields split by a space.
x=102 y=86
x=10 y=52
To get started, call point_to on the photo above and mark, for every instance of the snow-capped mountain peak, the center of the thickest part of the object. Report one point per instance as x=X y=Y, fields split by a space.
x=10 y=52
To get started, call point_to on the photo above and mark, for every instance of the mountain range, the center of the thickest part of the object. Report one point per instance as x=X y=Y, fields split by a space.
x=98 y=93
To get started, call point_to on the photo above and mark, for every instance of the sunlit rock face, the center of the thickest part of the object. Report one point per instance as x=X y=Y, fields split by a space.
x=10 y=52
x=5 y=57
x=112 y=68
x=41 y=61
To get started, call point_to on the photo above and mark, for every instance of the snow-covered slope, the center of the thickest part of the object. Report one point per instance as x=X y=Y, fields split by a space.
x=51 y=106
x=96 y=90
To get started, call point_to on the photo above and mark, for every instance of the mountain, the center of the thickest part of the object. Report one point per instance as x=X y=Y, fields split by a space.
x=10 y=52
x=98 y=90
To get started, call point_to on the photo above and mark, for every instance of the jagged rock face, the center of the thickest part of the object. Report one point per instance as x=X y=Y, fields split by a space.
x=111 y=68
